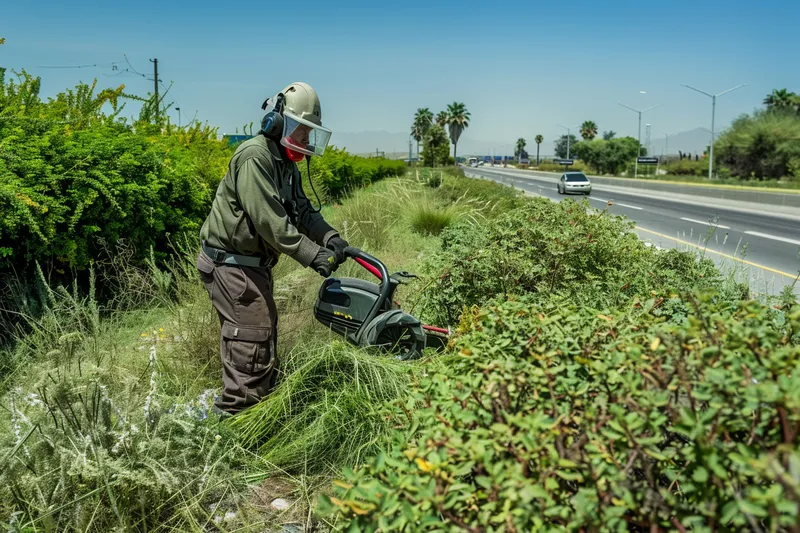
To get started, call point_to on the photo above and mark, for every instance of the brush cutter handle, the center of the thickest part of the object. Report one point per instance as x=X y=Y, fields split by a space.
x=372 y=264
x=378 y=269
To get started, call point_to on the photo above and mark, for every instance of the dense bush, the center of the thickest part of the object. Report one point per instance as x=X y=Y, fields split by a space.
x=687 y=167
x=607 y=157
x=339 y=173
x=592 y=258
x=553 y=417
x=764 y=145
x=72 y=177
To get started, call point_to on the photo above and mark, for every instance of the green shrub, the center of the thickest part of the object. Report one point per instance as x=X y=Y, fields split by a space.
x=494 y=198
x=544 y=247
x=554 y=417
x=687 y=167
x=338 y=173
x=764 y=145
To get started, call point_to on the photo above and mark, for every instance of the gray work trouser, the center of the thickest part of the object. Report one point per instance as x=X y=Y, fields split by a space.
x=243 y=299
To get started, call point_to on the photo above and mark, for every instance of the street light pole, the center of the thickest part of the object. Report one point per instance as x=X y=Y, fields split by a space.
x=666 y=135
x=713 y=113
x=568 y=135
x=639 y=140
x=178 y=109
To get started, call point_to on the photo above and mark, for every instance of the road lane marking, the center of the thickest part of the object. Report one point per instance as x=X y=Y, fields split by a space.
x=598 y=199
x=773 y=237
x=721 y=254
x=629 y=206
x=687 y=219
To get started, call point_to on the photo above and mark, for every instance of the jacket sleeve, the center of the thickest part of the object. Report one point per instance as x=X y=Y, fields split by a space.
x=313 y=223
x=260 y=199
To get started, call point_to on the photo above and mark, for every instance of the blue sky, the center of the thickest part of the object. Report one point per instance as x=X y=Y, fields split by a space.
x=520 y=68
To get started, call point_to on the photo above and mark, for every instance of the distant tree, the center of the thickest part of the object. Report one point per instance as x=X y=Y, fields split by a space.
x=608 y=135
x=588 y=130
x=436 y=146
x=780 y=99
x=561 y=146
x=763 y=145
x=520 y=147
x=457 y=122
x=441 y=118
x=423 y=120
x=539 y=139
x=2 y=40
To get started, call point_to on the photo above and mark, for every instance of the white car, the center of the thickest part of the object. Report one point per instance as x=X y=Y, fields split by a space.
x=574 y=182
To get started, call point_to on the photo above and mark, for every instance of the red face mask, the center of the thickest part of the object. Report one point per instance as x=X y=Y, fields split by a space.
x=294 y=156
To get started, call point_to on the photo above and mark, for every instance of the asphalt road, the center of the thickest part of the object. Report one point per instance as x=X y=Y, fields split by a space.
x=749 y=242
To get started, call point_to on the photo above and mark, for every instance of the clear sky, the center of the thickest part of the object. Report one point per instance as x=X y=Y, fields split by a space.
x=520 y=68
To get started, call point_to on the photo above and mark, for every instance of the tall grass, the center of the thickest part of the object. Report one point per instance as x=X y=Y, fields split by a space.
x=327 y=411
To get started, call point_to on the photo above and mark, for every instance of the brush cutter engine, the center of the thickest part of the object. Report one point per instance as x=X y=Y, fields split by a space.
x=366 y=314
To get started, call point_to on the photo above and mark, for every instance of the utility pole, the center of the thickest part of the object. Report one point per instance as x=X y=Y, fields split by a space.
x=178 y=109
x=569 y=135
x=639 y=150
x=155 y=82
x=713 y=111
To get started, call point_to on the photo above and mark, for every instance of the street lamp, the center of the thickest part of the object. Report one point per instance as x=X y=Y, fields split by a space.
x=568 y=135
x=713 y=111
x=639 y=150
x=666 y=149
x=178 y=109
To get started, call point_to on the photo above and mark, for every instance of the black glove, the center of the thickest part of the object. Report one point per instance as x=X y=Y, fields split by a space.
x=337 y=244
x=324 y=263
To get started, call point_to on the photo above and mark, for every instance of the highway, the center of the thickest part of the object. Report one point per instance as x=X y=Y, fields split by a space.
x=744 y=239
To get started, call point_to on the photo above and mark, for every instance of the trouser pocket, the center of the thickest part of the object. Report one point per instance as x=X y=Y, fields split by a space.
x=248 y=349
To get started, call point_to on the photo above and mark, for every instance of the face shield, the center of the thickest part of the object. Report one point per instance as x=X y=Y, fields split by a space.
x=303 y=137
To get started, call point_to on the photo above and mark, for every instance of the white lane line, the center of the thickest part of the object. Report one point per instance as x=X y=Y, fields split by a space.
x=629 y=206
x=598 y=199
x=687 y=219
x=773 y=237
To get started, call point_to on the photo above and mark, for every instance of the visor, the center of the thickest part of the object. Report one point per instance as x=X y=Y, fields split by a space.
x=304 y=136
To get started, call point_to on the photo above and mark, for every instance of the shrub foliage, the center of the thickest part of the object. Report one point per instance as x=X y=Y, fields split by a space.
x=550 y=417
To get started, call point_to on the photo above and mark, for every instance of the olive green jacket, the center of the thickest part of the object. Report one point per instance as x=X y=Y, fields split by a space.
x=260 y=208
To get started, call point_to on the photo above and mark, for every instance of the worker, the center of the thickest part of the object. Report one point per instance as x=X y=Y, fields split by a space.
x=260 y=212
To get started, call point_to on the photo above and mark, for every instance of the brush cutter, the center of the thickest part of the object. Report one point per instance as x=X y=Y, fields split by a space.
x=366 y=314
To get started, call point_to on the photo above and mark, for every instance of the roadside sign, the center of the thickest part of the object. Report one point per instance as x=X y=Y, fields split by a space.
x=647 y=160
x=565 y=162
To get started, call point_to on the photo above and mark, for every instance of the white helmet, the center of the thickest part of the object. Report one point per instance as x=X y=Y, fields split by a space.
x=303 y=132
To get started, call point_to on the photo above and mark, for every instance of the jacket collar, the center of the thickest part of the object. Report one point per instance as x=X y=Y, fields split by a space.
x=274 y=149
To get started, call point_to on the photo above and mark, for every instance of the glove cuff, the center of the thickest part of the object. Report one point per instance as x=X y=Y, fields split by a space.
x=328 y=236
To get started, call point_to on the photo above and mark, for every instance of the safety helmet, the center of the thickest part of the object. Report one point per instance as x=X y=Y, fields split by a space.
x=301 y=113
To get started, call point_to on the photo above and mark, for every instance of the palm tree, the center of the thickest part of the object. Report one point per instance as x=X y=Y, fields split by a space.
x=779 y=98
x=519 y=147
x=457 y=121
x=539 y=140
x=442 y=118
x=423 y=120
x=588 y=130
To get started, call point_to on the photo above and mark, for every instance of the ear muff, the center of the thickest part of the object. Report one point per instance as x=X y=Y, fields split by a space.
x=272 y=124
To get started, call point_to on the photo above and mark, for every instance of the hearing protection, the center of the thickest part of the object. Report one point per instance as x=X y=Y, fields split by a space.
x=272 y=122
